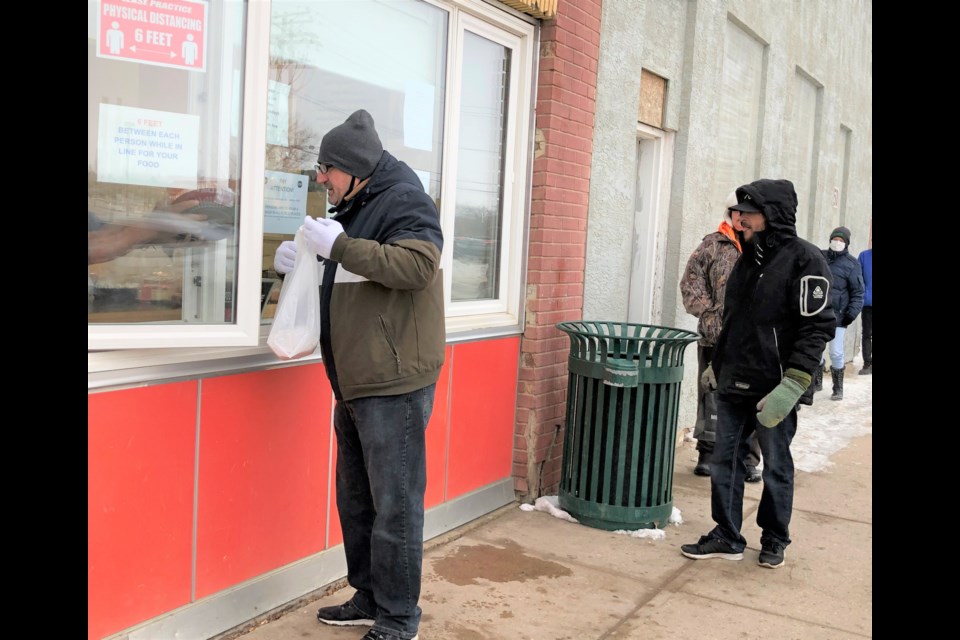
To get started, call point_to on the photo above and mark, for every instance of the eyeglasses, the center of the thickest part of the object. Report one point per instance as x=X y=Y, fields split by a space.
x=321 y=167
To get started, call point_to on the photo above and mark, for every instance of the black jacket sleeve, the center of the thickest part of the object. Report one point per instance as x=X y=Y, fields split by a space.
x=815 y=320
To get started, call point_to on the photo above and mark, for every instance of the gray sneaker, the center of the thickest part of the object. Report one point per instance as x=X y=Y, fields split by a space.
x=771 y=555
x=344 y=615
x=375 y=634
x=709 y=547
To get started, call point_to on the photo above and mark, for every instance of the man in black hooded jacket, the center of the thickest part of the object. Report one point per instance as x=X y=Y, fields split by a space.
x=777 y=320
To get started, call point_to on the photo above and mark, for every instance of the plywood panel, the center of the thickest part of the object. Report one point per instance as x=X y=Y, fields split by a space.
x=653 y=93
x=140 y=478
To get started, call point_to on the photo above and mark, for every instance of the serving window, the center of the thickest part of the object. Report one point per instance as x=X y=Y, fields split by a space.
x=198 y=170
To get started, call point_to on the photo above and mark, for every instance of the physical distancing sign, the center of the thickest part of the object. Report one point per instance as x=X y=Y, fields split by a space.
x=168 y=33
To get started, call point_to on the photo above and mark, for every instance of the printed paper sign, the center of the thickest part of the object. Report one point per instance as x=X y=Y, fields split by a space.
x=278 y=116
x=147 y=147
x=284 y=201
x=167 y=33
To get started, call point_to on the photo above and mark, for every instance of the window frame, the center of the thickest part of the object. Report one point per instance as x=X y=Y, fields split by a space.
x=120 y=355
x=246 y=330
x=504 y=309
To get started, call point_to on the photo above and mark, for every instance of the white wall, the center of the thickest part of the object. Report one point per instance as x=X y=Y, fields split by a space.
x=827 y=42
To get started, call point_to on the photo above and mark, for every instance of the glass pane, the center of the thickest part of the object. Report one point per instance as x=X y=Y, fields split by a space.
x=329 y=58
x=163 y=156
x=479 y=209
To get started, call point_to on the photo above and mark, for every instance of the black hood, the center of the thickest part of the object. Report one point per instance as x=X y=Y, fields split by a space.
x=778 y=201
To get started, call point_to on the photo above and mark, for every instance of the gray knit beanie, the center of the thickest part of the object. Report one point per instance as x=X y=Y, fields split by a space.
x=353 y=147
x=841 y=232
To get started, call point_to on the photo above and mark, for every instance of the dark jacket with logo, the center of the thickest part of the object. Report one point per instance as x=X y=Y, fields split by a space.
x=777 y=312
x=382 y=326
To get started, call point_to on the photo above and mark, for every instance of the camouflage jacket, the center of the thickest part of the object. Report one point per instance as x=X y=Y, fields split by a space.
x=704 y=281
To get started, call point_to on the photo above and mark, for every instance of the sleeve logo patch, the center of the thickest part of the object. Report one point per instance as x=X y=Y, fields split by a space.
x=814 y=294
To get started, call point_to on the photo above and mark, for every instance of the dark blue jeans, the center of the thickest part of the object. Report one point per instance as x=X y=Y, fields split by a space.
x=381 y=479
x=736 y=420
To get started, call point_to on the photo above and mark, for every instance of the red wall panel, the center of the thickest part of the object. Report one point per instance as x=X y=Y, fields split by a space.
x=265 y=490
x=264 y=464
x=334 y=533
x=140 y=477
x=483 y=402
x=437 y=430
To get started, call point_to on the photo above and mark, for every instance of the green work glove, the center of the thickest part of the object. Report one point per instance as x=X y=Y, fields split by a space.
x=708 y=381
x=775 y=406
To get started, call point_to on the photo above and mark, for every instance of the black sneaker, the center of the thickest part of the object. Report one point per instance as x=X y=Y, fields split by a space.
x=709 y=547
x=343 y=615
x=771 y=555
x=753 y=475
x=375 y=634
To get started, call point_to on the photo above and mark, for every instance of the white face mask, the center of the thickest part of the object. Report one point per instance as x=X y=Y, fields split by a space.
x=837 y=245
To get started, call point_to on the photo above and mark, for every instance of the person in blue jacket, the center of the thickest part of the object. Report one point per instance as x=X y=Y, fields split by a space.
x=866 y=265
x=777 y=319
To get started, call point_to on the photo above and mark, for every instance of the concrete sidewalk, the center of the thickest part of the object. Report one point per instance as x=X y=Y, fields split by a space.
x=520 y=575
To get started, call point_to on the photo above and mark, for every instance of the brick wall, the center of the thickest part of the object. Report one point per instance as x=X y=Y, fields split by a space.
x=566 y=94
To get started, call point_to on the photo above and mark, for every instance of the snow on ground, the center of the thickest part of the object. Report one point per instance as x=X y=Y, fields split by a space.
x=828 y=425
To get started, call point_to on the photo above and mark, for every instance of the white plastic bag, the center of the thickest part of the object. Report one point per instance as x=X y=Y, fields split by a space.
x=296 y=325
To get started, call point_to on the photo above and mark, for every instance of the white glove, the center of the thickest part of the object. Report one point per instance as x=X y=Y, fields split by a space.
x=319 y=235
x=285 y=257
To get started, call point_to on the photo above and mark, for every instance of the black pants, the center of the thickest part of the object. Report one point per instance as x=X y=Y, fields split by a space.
x=867 y=321
x=737 y=422
x=705 y=429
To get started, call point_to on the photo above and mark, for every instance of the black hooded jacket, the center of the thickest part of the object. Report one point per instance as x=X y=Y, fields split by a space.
x=777 y=313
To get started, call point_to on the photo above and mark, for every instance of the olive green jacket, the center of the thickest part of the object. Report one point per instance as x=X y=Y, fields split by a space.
x=382 y=324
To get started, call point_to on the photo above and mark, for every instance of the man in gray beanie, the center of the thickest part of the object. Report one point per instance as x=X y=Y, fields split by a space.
x=383 y=338
x=846 y=298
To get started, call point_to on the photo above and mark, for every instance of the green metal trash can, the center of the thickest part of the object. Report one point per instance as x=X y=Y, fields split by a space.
x=623 y=393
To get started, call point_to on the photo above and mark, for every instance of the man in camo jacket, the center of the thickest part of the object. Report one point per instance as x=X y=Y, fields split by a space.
x=702 y=287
